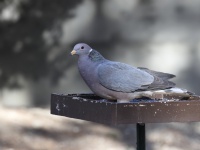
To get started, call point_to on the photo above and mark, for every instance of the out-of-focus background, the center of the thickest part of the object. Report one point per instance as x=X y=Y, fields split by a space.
x=36 y=38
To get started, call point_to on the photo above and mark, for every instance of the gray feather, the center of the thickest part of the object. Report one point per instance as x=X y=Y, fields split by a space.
x=164 y=76
x=160 y=79
x=122 y=77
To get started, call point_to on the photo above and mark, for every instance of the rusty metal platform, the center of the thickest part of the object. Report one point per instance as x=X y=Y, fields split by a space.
x=92 y=108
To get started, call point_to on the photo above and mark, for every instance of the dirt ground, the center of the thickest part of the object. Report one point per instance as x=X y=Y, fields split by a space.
x=37 y=129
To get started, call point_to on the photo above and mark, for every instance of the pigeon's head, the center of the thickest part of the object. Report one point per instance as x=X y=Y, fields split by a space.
x=81 y=49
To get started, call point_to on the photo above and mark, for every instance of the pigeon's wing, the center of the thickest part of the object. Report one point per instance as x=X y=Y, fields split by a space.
x=122 y=77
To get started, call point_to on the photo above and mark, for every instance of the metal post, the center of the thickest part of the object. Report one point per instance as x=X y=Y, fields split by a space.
x=141 y=145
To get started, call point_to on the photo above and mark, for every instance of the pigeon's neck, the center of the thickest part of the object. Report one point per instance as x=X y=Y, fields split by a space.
x=95 y=56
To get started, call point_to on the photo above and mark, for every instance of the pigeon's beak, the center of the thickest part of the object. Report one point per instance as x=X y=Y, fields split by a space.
x=73 y=52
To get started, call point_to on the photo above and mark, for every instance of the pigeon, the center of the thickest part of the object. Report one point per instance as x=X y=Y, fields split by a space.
x=119 y=81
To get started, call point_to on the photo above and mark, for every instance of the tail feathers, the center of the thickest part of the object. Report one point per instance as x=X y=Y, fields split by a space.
x=161 y=80
x=162 y=75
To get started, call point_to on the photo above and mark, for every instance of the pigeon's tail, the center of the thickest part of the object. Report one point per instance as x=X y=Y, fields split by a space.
x=170 y=94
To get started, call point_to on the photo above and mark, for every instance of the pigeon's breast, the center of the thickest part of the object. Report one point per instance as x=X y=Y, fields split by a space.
x=88 y=71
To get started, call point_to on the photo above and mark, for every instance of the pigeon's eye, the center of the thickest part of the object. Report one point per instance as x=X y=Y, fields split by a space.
x=82 y=47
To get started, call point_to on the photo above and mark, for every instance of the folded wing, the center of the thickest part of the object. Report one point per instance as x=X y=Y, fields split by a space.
x=121 y=77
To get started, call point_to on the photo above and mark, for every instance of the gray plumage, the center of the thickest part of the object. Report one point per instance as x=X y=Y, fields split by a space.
x=122 y=77
x=115 y=80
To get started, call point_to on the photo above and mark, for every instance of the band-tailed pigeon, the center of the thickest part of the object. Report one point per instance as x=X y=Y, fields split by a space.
x=119 y=81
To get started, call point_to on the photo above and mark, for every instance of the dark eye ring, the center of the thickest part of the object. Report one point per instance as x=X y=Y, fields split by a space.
x=82 y=47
